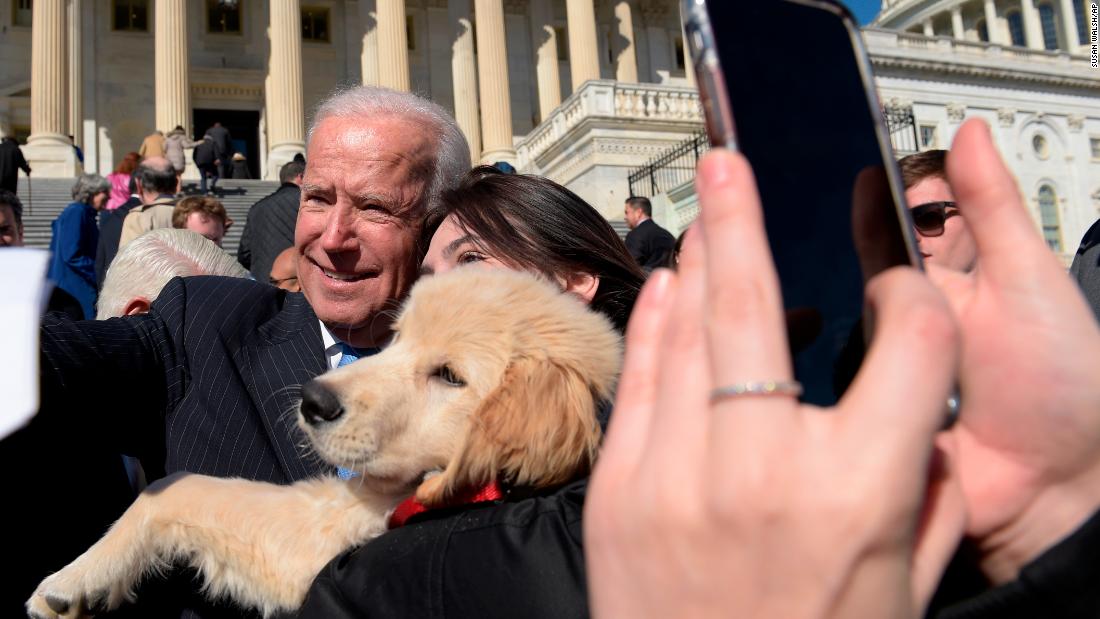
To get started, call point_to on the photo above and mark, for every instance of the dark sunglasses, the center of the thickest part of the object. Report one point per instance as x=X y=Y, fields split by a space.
x=930 y=216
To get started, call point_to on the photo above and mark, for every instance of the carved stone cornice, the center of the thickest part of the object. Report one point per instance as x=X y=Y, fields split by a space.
x=653 y=12
x=1006 y=117
x=516 y=6
x=958 y=69
x=1076 y=122
x=956 y=112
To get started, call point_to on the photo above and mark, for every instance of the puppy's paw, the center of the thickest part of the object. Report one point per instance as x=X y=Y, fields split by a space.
x=73 y=592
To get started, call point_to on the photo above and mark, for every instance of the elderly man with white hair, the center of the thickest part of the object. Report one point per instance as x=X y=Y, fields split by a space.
x=147 y=264
x=204 y=381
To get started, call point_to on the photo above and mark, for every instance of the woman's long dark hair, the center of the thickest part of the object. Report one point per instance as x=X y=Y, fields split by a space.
x=535 y=224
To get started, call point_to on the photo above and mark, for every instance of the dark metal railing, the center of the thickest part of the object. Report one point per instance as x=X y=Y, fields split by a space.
x=676 y=166
x=672 y=168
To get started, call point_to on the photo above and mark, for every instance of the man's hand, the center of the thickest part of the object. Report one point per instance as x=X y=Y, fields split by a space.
x=759 y=506
x=1027 y=446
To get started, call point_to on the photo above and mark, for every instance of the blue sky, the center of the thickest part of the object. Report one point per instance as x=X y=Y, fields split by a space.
x=865 y=10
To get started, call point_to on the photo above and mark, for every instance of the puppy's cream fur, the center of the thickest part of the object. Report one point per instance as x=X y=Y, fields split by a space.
x=493 y=376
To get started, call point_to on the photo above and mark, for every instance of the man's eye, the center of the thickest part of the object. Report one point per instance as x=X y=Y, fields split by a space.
x=447 y=375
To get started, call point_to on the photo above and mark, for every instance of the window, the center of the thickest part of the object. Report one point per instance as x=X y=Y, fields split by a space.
x=563 y=44
x=1048 y=213
x=223 y=16
x=1016 y=28
x=21 y=12
x=1079 y=10
x=928 y=137
x=410 y=33
x=680 y=53
x=1094 y=145
x=131 y=16
x=315 y=24
x=983 y=30
x=1050 y=31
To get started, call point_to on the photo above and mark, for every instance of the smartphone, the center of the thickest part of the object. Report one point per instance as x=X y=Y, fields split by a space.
x=788 y=84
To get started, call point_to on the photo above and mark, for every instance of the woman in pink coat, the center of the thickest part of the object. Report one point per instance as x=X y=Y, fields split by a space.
x=120 y=180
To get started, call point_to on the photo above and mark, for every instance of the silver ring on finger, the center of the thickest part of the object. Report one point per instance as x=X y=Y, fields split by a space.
x=756 y=388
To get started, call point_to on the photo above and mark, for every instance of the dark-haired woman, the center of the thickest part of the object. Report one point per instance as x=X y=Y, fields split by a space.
x=522 y=555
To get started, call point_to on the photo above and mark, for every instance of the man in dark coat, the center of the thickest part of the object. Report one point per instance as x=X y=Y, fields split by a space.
x=223 y=148
x=204 y=381
x=1086 y=267
x=110 y=230
x=11 y=161
x=269 y=228
x=206 y=160
x=649 y=243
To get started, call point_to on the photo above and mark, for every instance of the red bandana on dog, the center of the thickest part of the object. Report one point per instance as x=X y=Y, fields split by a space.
x=411 y=507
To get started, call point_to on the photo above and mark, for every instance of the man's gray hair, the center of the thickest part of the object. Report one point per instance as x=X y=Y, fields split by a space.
x=452 y=160
x=87 y=186
x=146 y=264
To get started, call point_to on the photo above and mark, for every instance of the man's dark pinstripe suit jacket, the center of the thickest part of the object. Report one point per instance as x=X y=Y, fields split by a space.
x=206 y=382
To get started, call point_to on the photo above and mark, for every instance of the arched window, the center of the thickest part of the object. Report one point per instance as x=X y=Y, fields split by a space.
x=983 y=30
x=1050 y=30
x=1016 y=28
x=1048 y=213
x=1079 y=10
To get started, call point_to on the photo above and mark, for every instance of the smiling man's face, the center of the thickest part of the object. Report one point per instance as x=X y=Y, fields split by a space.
x=363 y=200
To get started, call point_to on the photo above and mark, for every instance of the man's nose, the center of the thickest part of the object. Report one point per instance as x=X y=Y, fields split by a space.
x=319 y=404
x=339 y=232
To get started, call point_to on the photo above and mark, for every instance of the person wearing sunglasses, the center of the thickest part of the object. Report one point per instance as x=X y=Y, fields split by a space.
x=944 y=237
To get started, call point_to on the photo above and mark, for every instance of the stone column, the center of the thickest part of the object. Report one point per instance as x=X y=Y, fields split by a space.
x=170 y=75
x=689 y=70
x=492 y=71
x=49 y=151
x=929 y=31
x=76 y=76
x=368 y=59
x=626 y=65
x=584 y=58
x=546 y=57
x=393 y=45
x=992 y=24
x=464 y=74
x=957 y=29
x=285 y=114
x=1033 y=33
x=1069 y=25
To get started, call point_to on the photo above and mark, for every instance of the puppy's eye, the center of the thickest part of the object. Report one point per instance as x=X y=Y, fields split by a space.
x=447 y=375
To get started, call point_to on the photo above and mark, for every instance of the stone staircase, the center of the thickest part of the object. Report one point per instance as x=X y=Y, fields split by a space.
x=52 y=195
x=620 y=227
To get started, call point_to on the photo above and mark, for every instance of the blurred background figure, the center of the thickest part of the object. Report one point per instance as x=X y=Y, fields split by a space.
x=11 y=161
x=152 y=145
x=223 y=147
x=120 y=180
x=204 y=215
x=649 y=243
x=240 y=167
x=284 y=272
x=174 y=145
x=110 y=230
x=269 y=228
x=74 y=241
x=11 y=220
x=207 y=162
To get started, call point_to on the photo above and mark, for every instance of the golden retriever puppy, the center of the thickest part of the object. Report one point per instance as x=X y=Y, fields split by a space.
x=493 y=377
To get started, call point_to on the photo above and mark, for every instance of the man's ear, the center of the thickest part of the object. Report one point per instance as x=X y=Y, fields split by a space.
x=584 y=285
x=136 y=305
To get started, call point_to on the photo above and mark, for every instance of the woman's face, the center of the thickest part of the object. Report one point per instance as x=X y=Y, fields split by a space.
x=99 y=200
x=452 y=247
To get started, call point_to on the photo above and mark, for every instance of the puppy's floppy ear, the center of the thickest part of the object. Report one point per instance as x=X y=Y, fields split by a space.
x=537 y=428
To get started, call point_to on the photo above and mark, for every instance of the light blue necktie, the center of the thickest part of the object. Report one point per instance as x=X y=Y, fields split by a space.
x=348 y=354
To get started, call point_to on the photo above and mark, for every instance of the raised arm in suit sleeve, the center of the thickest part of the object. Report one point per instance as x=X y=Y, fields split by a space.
x=244 y=248
x=114 y=380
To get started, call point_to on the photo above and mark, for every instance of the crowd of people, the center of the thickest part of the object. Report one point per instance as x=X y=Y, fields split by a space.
x=754 y=505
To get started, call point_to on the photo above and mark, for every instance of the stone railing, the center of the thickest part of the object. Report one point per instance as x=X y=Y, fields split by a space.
x=909 y=40
x=611 y=100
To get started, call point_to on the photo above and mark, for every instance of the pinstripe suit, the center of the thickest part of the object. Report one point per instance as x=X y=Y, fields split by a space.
x=204 y=383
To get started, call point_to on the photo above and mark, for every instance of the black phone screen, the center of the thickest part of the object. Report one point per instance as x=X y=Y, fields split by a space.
x=803 y=119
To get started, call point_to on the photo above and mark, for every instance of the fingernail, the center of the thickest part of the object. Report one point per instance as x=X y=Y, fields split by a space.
x=714 y=170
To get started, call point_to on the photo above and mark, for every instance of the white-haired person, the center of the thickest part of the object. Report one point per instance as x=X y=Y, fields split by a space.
x=74 y=240
x=710 y=501
x=204 y=380
x=148 y=263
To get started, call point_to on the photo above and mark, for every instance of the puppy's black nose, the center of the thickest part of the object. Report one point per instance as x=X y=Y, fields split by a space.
x=319 y=404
